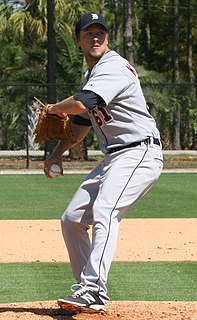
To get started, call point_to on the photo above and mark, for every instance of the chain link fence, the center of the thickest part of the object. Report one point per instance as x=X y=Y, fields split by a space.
x=18 y=121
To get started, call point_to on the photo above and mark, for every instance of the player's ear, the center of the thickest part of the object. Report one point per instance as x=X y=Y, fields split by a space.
x=77 y=43
x=107 y=37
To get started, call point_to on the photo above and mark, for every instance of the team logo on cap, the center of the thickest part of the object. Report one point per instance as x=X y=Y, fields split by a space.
x=94 y=16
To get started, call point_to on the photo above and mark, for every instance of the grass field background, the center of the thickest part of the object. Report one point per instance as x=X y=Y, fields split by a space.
x=35 y=197
x=129 y=281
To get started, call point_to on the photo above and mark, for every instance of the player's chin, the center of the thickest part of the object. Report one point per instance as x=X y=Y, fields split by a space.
x=96 y=53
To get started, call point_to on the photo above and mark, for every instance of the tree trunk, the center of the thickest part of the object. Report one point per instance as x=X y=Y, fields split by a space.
x=147 y=37
x=128 y=31
x=176 y=128
x=51 y=66
x=117 y=8
x=190 y=49
x=1 y=133
x=175 y=79
x=191 y=78
x=101 y=6
x=175 y=75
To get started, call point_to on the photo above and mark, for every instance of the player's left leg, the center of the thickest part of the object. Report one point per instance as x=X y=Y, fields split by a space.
x=126 y=177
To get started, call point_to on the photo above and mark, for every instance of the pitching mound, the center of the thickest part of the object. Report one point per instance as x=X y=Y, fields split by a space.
x=115 y=310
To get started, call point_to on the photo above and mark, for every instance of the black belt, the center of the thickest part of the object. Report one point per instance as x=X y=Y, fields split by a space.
x=135 y=144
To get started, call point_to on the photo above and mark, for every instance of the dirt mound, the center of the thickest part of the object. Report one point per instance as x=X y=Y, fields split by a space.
x=127 y=310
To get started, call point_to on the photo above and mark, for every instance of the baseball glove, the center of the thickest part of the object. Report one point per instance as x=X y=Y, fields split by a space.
x=52 y=127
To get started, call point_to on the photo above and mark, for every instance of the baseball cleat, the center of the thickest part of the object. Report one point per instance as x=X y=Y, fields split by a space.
x=82 y=300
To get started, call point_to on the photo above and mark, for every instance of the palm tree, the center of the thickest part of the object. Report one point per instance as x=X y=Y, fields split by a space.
x=31 y=26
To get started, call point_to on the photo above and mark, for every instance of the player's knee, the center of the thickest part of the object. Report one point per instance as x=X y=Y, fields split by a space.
x=68 y=218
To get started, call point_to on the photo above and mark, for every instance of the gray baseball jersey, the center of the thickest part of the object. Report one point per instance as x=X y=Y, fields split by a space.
x=126 y=118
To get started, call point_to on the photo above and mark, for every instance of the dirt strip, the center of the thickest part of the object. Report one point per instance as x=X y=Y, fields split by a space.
x=139 y=240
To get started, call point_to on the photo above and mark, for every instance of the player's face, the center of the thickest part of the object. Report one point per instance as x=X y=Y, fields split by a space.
x=93 y=42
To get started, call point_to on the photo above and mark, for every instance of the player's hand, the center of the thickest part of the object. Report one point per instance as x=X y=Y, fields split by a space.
x=52 y=160
x=50 y=110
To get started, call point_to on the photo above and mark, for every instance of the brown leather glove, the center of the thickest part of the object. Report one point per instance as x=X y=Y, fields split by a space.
x=52 y=127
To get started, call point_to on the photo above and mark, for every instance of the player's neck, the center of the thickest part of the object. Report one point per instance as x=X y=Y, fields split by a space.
x=92 y=61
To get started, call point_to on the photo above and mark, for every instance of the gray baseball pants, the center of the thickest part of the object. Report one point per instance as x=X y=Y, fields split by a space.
x=102 y=200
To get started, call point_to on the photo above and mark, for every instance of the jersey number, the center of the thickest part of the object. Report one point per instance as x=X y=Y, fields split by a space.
x=101 y=116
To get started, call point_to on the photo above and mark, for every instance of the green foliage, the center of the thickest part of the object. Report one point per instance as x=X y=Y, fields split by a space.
x=158 y=99
x=23 y=55
x=70 y=62
x=13 y=119
x=67 y=12
x=160 y=26
x=13 y=134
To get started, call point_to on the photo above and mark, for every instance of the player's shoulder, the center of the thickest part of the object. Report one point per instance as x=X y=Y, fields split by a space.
x=112 y=57
x=110 y=62
x=116 y=62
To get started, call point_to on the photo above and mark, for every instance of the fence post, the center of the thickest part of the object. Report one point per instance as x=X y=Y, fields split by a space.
x=27 y=122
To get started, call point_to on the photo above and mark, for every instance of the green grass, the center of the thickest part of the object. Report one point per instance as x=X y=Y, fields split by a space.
x=36 y=197
x=153 y=281
x=142 y=281
x=173 y=196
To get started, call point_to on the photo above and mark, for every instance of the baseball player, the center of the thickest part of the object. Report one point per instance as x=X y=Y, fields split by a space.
x=112 y=103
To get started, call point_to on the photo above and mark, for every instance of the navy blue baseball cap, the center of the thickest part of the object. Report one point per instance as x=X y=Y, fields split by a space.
x=88 y=19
